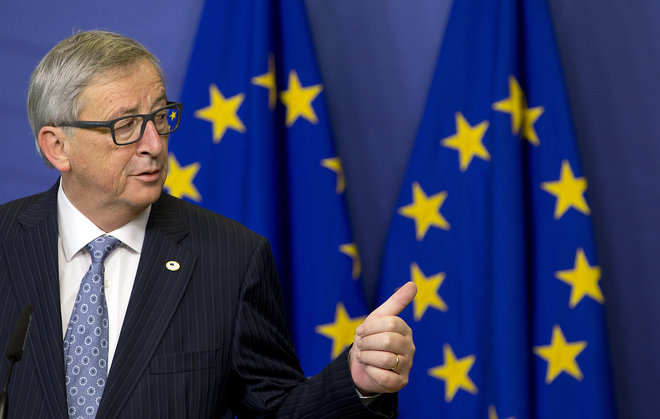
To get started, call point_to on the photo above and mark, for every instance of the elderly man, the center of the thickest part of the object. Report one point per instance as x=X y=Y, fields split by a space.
x=145 y=305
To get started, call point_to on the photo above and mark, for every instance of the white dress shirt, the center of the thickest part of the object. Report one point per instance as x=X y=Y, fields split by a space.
x=74 y=232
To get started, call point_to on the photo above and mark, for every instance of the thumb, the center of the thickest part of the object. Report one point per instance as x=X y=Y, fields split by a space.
x=396 y=303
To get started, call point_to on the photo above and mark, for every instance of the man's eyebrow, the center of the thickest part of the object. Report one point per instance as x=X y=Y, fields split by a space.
x=160 y=100
x=124 y=112
x=121 y=112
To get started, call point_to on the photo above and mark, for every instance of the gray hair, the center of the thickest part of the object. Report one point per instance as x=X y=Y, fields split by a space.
x=69 y=67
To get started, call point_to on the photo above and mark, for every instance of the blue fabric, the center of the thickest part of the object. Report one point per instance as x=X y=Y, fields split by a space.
x=493 y=223
x=245 y=150
x=86 y=340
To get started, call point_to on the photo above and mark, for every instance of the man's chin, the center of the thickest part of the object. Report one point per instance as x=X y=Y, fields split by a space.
x=144 y=194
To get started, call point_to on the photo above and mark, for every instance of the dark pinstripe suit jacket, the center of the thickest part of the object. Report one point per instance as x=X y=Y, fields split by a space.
x=207 y=340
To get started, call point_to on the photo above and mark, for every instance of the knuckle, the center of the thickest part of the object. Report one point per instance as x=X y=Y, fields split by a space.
x=387 y=341
x=391 y=323
x=385 y=358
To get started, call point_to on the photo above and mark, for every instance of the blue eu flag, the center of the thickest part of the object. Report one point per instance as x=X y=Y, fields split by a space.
x=255 y=145
x=493 y=224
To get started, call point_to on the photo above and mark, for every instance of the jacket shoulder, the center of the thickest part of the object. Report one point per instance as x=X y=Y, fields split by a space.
x=22 y=209
x=204 y=223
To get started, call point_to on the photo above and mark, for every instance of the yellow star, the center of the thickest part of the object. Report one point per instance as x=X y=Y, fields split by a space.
x=222 y=113
x=492 y=413
x=513 y=105
x=569 y=191
x=528 y=130
x=298 y=100
x=521 y=115
x=267 y=80
x=560 y=356
x=425 y=210
x=467 y=141
x=454 y=372
x=427 y=291
x=334 y=164
x=350 y=249
x=179 y=181
x=342 y=331
x=584 y=280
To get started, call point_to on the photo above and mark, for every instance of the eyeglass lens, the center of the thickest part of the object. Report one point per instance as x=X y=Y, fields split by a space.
x=131 y=128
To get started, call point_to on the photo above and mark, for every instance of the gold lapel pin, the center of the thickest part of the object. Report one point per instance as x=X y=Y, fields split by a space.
x=173 y=265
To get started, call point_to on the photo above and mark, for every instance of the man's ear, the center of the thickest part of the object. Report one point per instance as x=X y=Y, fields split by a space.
x=52 y=141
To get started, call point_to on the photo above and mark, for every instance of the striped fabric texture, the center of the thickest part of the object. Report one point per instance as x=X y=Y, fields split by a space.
x=204 y=333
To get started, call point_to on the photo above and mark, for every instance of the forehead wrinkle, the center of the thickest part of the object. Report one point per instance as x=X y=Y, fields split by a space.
x=111 y=87
x=115 y=96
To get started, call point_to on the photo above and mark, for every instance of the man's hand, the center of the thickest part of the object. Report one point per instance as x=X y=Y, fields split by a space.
x=383 y=349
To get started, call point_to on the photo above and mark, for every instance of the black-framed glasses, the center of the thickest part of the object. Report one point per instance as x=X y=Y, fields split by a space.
x=129 y=129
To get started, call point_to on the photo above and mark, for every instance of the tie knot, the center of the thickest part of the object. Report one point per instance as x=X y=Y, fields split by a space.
x=101 y=247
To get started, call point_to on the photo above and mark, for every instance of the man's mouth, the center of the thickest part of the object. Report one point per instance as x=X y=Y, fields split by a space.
x=149 y=176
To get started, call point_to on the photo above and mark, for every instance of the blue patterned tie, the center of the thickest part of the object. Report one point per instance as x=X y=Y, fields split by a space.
x=86 y=341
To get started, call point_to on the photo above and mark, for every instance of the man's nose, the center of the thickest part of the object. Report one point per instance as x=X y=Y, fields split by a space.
x=151 y=142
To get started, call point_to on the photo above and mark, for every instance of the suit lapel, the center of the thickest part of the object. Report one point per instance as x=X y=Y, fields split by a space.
x=157 y=292
x=32 y=263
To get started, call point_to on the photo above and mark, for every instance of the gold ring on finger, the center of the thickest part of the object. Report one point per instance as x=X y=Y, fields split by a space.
x=396 y=364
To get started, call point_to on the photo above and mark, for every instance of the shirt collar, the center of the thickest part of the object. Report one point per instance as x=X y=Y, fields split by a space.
x=76 y=230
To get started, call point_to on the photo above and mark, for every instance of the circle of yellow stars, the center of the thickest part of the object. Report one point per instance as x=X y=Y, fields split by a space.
x=569 y=191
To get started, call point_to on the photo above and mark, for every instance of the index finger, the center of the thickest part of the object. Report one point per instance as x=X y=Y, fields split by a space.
x=396 y=303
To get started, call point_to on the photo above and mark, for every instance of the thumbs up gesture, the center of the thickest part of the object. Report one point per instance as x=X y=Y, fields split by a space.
x=383 y=348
